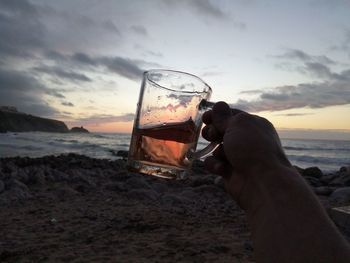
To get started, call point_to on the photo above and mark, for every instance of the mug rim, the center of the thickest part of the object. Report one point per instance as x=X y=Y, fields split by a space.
x=147 y=72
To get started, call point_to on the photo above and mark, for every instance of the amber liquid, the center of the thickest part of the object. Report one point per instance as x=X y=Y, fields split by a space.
x=165 y=145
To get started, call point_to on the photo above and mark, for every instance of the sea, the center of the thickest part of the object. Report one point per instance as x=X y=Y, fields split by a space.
x=328 y=155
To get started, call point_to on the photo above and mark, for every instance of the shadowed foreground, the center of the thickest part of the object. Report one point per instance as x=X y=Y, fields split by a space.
x=73 y=208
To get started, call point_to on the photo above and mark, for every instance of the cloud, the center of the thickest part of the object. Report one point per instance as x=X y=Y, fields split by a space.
x=54 y=93
x=299 y=55
x=318 y=69
x=330 y=89
x=103 y=118
x=20 y=30
x=315 y=66
x=343 y=45
x=311 y=95
x=202 y=7
x=68 y=104
x=141 y=30
x=122 y=66
x=109 y=25
x=125 y=67
x=84 y=59
x=23 y=91
x=251 y=92
x=65 y=74
x=294 y=114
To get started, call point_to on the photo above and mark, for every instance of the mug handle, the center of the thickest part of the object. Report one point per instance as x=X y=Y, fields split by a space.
x=192 y=155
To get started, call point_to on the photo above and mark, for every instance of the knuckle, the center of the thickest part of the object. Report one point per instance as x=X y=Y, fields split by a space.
x=242 y=117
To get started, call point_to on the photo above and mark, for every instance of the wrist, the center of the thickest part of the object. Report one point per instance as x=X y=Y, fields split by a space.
x=267 y=187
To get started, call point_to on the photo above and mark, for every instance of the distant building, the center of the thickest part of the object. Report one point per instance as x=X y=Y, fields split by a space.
x=8 y=108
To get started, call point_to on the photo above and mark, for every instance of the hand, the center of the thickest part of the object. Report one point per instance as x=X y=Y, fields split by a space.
x=250 y=146
x=284 y=214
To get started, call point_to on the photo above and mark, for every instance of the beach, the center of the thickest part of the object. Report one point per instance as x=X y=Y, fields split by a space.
x=80 y=209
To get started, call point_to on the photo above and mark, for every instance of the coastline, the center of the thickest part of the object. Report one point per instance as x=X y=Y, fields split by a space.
x=75 y=208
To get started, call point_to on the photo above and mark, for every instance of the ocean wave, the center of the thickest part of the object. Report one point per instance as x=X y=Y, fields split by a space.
x=294 y=148
x=123 y=145
x=319 y=160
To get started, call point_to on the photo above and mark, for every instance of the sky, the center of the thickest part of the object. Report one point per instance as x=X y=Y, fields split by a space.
x=82 y=61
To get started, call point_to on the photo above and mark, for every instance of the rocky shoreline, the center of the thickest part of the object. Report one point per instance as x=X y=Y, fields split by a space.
x=75 y=208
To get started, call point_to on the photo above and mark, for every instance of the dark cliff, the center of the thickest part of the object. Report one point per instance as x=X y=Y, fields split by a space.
x=79 y=130
x=14 y=121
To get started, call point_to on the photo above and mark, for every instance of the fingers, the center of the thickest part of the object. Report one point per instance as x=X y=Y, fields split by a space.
x=219 y=153
x=210 y=133
x=220 y=116
x=207 y=117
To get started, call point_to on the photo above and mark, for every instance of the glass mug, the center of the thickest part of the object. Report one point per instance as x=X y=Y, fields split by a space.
x=168 y=123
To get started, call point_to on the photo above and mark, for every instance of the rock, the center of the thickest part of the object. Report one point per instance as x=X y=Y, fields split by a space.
x=123 y=154
x=36 y=176
x=323 y=190
x=340 y=195
x=137 y=182
x=14 y=183
x=326 y=179
x=120 y=153
x=248 y=245
x=21 y=175
x=341 y=217
x=189 y=194
x=312 y=172
x=198 y=167
x=116 y=186
x=299 y=170
x=313 y=181
x=219 y=181
x=65 y=192
x=202 y=180
x=341 y=180
x=160 y=187
x=171 y=199
x=2 y=186
x=207 y=189
x=58 y=176
x=219 y=249
x=143 y=194
x=18 y=191
x=345 y=169
x=79 y=130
